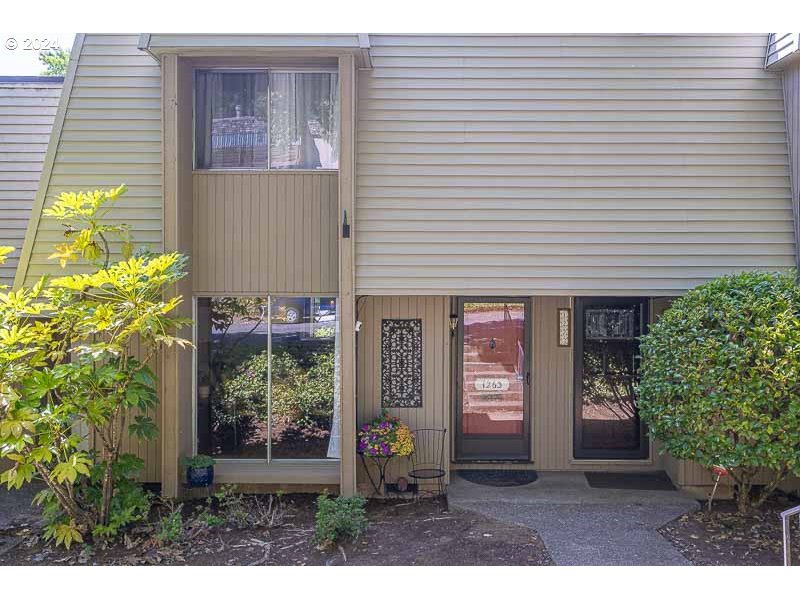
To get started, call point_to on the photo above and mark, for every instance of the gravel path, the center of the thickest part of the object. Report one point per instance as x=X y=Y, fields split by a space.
x=581 y=525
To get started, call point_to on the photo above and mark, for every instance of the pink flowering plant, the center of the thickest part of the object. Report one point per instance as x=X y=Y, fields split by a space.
x=385 y=436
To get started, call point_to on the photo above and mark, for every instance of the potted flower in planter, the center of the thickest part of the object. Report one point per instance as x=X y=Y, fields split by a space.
x=385 y=436
x=199 y=470
x=380 y=440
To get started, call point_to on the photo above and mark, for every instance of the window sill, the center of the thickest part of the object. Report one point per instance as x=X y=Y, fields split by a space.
x=285 y=471
x=263 y=171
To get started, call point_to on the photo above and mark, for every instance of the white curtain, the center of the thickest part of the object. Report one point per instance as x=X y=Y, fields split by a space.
x=335 y=443
x=304 y=121
x=231 y=119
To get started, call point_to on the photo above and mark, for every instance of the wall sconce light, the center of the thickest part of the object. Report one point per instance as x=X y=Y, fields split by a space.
x=345 y=227
x=453 y=324
x=564 y=327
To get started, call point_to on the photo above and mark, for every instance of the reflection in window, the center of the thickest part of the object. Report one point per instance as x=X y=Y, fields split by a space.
x=304 y=116
x=231 y=119
x=609 y=417
x=303 y=354
x=235 y=380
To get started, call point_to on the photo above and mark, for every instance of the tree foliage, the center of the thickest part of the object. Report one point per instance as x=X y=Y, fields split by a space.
x=75 y=355
x=720 y=381
x=55 y=61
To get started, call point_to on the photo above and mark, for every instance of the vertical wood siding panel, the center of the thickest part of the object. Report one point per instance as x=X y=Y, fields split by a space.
x=229 y=226
x=247 y=243
x=433 y=311
x=265 y=232
x=313 y=224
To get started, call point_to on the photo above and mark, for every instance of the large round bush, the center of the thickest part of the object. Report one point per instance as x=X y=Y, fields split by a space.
x=720 y=379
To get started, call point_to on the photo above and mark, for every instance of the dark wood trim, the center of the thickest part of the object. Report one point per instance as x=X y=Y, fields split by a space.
x=578 y=452
x=479 y=448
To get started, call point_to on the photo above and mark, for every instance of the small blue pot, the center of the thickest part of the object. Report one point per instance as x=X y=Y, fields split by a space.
x=200 y=476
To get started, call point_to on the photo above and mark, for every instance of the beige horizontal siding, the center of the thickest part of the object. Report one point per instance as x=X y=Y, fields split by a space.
x=791 y=91
x=265 y=232
x=585 y=164
x=27 y=110
x=111 y=135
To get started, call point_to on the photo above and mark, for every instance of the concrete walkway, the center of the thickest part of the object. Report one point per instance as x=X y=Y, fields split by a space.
x=581 y=525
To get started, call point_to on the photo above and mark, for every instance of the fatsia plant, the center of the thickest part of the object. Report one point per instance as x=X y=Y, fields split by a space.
x=75 y=376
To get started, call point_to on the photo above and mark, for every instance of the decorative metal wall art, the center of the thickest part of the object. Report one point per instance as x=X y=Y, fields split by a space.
x=401 y=363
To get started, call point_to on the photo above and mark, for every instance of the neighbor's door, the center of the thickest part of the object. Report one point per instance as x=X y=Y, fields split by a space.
x=493 y=379
x=606 y=419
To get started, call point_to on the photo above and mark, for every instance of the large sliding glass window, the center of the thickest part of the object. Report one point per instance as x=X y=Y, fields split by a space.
x=266 y=387
x=263 y=119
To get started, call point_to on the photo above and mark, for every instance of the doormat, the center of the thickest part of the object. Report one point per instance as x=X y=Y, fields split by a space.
x=498 y=478
x=654 y=480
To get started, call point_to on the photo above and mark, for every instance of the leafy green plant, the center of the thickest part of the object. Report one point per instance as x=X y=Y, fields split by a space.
x=68 y=365
x=719 y=381
x=84 y=216
x=55 y=60
x=338 y=519
x=301 y=394
x=170 y=528
x=232 y=507
x=207 y=516
x=199 y=461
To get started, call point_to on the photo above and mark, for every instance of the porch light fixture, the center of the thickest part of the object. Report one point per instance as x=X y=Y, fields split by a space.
x=345 y=226
x=564 y=327
x=453 y=324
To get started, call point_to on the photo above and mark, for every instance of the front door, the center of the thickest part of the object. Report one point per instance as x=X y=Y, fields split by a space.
x=606 y=420
x=493 y=379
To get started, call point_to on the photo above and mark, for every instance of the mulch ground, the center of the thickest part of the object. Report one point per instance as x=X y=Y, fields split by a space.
x=399 y=533
x=724 y=537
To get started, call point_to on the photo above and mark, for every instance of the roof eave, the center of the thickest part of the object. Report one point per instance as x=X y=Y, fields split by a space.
x=361 y=49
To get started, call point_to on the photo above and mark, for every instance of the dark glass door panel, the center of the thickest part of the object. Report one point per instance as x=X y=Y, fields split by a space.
x=493 y=379
x=607 y=424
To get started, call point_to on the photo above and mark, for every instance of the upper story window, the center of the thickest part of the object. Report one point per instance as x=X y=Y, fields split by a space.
x=260 y=120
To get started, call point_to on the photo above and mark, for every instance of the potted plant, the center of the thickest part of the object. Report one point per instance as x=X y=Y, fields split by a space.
x=385 y=436
x=199 y=470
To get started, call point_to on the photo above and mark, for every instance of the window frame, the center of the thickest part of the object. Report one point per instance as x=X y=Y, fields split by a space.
x=298 y=462
x=254 y=69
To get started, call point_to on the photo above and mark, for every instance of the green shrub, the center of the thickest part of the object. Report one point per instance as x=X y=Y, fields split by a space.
x=302 y=394
x=719 y=380
x=75 y=369
x=170 y=529
x=339 y=519
x=233 y=508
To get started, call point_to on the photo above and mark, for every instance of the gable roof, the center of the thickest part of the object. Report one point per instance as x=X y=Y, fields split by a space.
x=27 y=111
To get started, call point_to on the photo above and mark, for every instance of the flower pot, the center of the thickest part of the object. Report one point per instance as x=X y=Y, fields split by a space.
x=200 y=476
